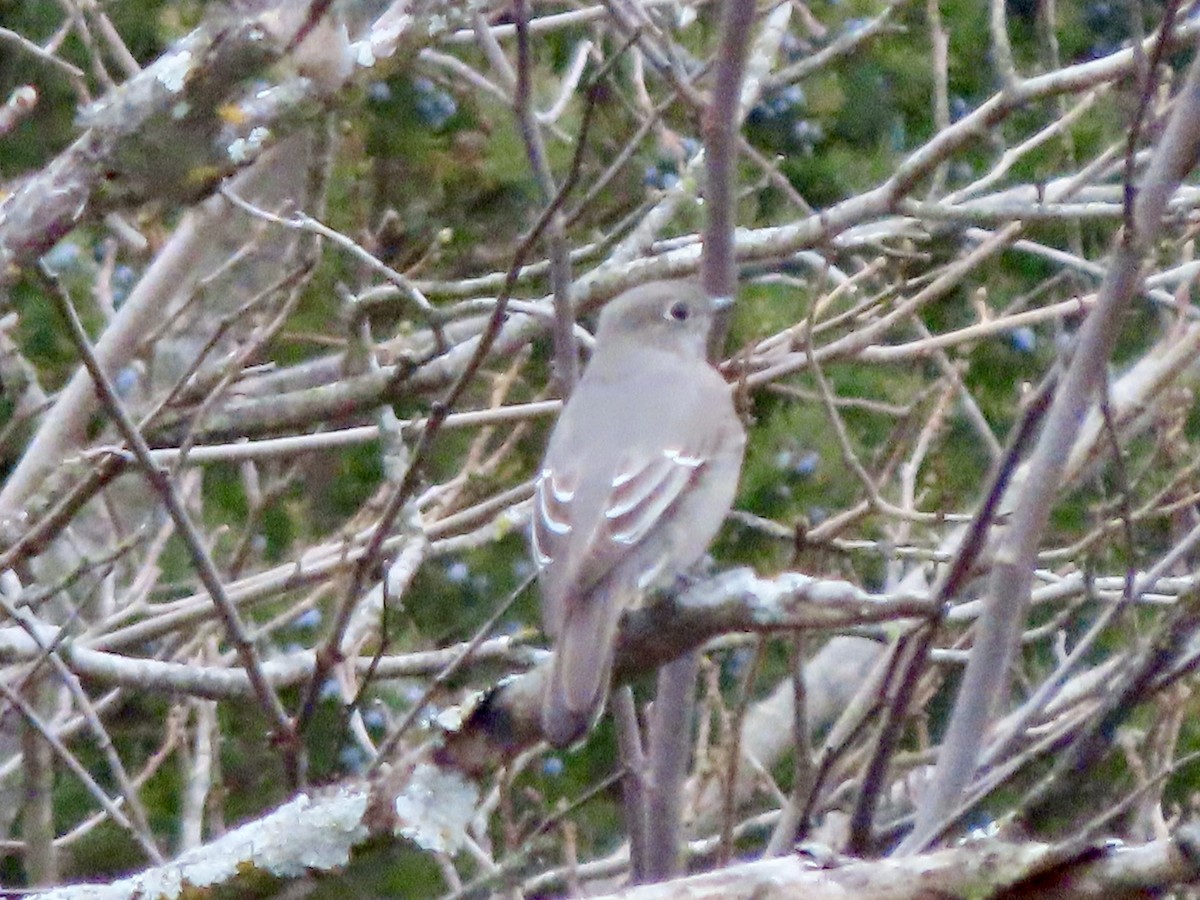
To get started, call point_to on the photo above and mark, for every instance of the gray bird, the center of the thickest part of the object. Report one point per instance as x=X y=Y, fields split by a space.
x=640 y=470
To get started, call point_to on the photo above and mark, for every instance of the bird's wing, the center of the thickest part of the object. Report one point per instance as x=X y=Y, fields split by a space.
x=642 y=488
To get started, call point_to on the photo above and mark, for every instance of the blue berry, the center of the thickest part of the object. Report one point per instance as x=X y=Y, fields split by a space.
x=63 y=257
x=1023 y=339
x=310 y=618
x=434 y=106
x=806 y=465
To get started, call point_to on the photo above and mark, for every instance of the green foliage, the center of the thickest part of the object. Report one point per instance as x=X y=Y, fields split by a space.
x=384 y=870
x=430 y=173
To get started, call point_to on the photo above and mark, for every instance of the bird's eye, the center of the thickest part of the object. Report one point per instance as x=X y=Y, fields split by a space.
x=679 y=311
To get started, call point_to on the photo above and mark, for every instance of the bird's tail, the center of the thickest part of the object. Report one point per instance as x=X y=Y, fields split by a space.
x=581 y=668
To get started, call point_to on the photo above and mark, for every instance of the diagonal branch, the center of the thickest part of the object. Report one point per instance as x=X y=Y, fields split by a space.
x=1008 y=590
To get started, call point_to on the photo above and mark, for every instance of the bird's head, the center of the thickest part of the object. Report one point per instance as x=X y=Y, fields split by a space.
x=670 y=315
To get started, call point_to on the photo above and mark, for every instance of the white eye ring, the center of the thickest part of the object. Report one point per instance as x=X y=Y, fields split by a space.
x=679 y=311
